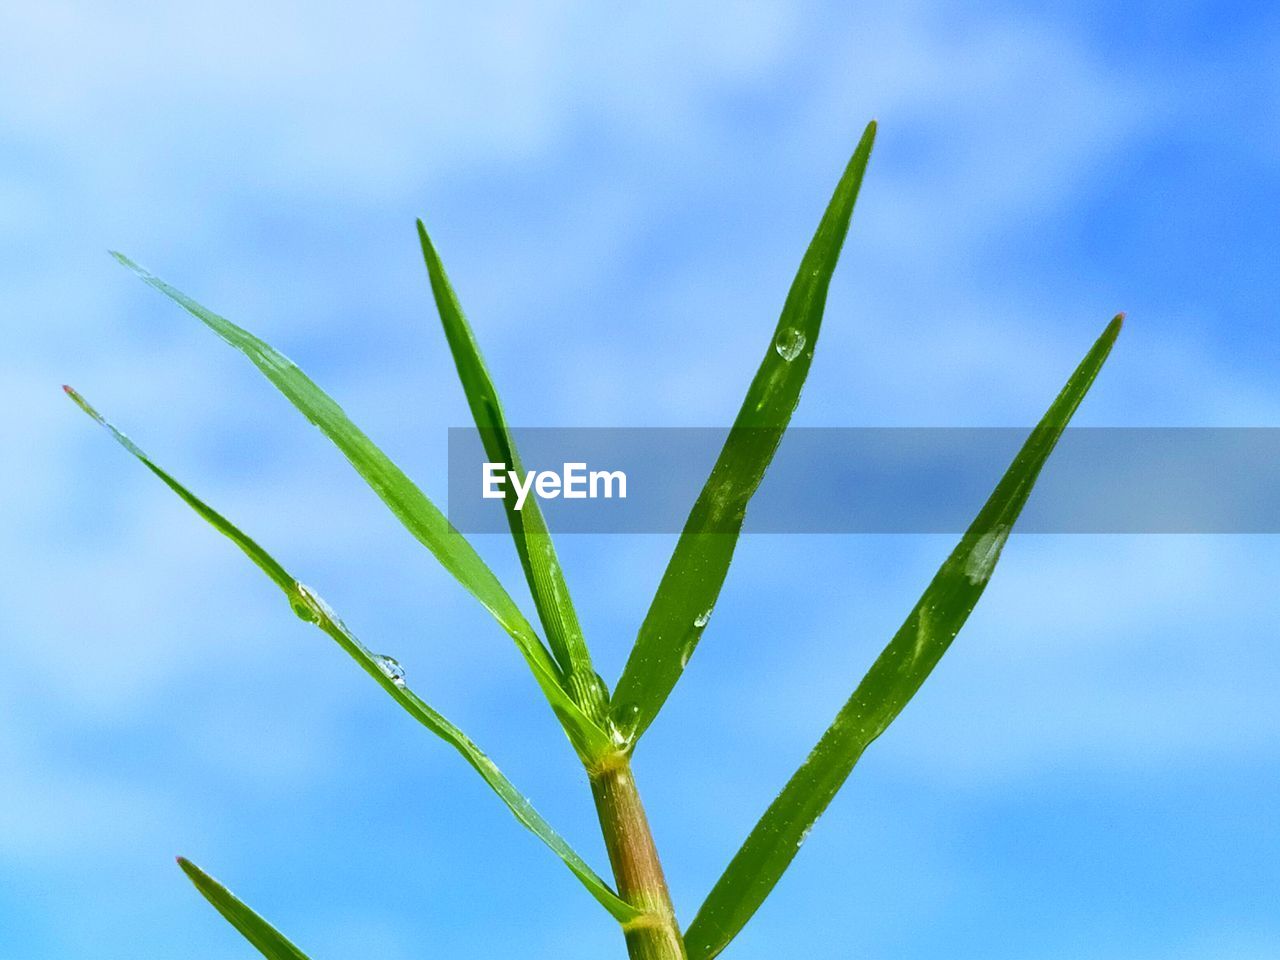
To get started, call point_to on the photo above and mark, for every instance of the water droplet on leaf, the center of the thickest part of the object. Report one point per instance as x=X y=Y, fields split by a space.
x=626 y=716
x=804 y=835
x=789 y=343
x=702 y=619
x=391 y=668
x=981 y=562
x=303 y=603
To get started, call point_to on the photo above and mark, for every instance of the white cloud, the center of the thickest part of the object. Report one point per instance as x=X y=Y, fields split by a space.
x=641 y=187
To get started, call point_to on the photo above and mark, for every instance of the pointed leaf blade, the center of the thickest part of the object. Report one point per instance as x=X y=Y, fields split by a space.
x=247 y=545
x=406 y=501
x=268 y=941
x=891 y=682
x=528 y=528
x=308 y=605
x=691 y=584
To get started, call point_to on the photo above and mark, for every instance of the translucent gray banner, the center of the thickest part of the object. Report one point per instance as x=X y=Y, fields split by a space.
x=880 y=480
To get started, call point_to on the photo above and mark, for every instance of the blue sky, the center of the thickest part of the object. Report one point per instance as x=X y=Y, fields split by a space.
x=621 y=197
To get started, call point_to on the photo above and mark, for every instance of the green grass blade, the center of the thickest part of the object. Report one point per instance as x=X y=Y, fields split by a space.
x=890 y=683
x=696 y=572
x=410 y=505
x=268 y=941
x=528 y=528
x=247 y=545
x=310 y=607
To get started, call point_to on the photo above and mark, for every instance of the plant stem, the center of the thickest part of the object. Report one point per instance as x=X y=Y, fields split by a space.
x=636 y=868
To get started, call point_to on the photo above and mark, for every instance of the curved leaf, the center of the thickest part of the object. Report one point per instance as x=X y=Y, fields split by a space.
x=268 y=941
x=698 y=566
x=310 y=607
x=528 y=528
x=890 y=683
x=410 y=505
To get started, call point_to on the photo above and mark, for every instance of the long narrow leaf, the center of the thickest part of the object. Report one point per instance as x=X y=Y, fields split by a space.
x=528 y=528
x=310 y=607
x=410 y=505
x=268 y=941
x=890 y=683
x=682 y=606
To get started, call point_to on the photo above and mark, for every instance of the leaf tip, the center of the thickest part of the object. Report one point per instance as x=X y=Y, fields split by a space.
x=868 y=139
x=80 y=401
x=124 y=261
x=428 y=248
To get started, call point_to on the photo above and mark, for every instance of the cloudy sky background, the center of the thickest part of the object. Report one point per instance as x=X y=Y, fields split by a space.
x=621 y=197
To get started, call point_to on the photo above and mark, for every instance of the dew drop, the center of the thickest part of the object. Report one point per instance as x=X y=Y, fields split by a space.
x=789 y=342
x=303 y=602
x=981 y=561
x=625 y=718
x=702 y=619
x=390 y=666
x=687 y=652
x=310 y=606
